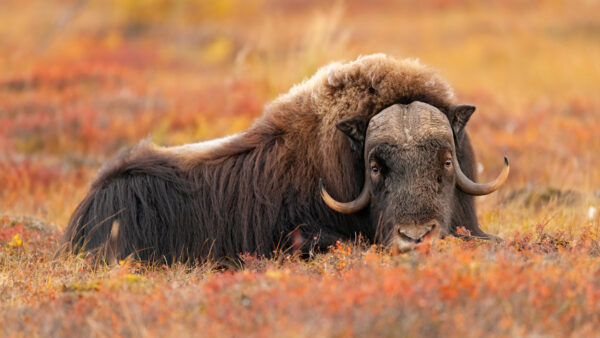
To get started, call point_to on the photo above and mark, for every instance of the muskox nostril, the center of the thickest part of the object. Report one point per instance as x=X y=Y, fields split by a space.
x=416 y=232
x=432 y=225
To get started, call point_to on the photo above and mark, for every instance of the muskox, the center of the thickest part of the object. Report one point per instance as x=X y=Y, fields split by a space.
x=379 y=132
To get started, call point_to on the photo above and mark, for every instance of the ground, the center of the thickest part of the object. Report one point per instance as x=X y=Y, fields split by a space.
x=81 y=80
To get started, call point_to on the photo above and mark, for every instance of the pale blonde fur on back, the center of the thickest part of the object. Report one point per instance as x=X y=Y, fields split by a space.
x=307 y=115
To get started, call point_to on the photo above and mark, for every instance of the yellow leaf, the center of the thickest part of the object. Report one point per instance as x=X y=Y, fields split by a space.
x=274 y=274
x=15 y=241
x=132 y=278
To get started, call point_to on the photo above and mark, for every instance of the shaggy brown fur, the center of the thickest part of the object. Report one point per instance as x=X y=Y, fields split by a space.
x=248 y=193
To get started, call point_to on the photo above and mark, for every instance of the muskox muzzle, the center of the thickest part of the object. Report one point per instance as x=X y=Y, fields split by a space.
x=413 y=197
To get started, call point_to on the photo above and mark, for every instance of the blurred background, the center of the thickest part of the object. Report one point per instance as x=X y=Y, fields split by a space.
x=80 y=80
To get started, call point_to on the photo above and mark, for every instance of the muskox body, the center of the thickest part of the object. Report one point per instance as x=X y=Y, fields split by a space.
x=258 y=191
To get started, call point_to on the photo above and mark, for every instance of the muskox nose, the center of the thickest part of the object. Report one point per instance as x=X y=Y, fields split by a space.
x=415 y=232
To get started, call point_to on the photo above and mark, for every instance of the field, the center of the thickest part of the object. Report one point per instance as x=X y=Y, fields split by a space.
x=82 y=80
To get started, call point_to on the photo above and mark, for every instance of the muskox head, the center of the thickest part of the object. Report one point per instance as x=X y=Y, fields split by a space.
x=411 y=171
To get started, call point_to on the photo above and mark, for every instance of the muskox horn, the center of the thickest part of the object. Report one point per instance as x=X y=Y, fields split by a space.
x=477 y=189
x=349 y=207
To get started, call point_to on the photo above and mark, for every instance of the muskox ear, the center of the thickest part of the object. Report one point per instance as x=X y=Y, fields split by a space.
x=459 y=116
x=355 y=128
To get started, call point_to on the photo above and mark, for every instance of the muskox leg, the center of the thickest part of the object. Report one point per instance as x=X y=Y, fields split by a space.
x=309 y=241
x=326 y=239
x=466 y=217
x=464 y=214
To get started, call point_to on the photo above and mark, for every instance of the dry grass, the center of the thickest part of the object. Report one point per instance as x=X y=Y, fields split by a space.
x=80 y=80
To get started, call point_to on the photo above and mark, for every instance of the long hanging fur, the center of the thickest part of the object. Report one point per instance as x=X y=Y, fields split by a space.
x=249 y=192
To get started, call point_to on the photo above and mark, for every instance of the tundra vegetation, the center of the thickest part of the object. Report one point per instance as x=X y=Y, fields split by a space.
x=81 y=80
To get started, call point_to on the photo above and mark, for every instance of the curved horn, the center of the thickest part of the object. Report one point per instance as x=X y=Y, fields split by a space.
x=478 y=189
x=349 y=207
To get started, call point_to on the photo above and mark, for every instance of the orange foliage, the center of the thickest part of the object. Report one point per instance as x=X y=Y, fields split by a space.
x=80 y=80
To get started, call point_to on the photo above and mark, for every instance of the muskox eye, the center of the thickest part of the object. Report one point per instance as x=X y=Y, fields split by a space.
x=371 y=90
x=375 y=169
x=448 y=164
